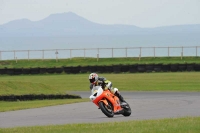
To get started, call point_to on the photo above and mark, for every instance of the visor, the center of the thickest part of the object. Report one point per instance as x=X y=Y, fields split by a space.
x=92 y=80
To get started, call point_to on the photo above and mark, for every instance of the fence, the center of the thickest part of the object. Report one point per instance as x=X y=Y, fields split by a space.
x=101 y=52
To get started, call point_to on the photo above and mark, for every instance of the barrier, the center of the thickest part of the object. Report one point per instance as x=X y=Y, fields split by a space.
x=34 y=70
x=190 y=67
x=26 y=71
x=174 y=67
x=166 y=67
x=134 y=68
x=158 y=67
x=197 y=67
x=141 y=68
x=43 y=70
x=149 y=67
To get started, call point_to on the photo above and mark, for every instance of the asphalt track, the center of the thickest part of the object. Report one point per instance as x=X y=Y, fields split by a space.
x=145 y=105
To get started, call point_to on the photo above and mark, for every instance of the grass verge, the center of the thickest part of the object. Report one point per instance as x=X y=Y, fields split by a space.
x=52 y=84
x=11 y=106
x=169 y=125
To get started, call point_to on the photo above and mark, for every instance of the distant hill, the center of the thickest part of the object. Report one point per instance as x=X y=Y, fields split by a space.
x=65 y=24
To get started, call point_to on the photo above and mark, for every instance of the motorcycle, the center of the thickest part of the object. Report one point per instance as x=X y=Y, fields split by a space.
x=108 y=102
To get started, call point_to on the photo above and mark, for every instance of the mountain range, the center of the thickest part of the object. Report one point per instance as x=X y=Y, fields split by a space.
x=67 y=24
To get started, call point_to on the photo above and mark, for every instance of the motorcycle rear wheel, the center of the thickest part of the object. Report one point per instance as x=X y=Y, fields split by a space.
x=106 y=109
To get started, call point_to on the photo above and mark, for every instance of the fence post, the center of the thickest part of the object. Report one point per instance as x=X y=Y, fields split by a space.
x=112 y=52
x=97 y=57
x=56 y=55
x=14 y=54
x=182 y=54
x=84 y=53
x=42 y=54
x=0 y=55
x=168 y=51
x=28 y=55
x=154 y=52
x=70 y=54
x=126 y=52
x=196 y=51
x=139 y=56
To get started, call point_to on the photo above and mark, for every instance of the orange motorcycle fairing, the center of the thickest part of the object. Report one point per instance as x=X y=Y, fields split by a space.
x=108 y=96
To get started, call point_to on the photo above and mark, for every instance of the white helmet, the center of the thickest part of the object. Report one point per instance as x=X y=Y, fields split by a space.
x=93 y=77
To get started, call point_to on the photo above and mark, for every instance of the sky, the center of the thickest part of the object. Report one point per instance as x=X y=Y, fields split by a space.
x=141 y=13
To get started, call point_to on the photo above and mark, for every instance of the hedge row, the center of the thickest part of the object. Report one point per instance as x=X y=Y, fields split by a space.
x=105 y=69
x=36 y=97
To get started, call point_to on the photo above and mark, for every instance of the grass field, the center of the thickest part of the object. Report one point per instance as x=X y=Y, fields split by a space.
x=170 y=125
x=54 y=83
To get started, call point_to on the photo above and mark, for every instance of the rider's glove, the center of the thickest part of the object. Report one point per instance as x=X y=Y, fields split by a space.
x=108 y=86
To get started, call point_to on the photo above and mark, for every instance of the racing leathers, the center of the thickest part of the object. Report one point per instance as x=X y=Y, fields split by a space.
x=106 y=84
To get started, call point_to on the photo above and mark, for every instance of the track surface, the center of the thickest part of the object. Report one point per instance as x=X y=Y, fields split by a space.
x=145 y=105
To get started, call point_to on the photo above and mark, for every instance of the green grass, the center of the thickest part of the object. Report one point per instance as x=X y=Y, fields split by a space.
x=170 y=125
x=93 y=61
x=54 y=83
x=11 y=106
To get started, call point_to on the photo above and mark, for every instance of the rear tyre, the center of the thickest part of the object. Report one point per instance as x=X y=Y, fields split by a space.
x=106 y=109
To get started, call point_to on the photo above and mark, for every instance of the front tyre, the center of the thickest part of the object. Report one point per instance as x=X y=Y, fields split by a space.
x=106 y=109
x=127 y=110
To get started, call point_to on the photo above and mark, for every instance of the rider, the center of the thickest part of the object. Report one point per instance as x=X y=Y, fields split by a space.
x=105 y=84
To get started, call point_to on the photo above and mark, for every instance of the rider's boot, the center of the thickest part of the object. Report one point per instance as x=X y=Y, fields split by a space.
x=122 y=101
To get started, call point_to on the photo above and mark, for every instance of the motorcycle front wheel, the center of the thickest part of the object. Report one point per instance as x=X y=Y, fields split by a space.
x=106 y=109
x=127 y=110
